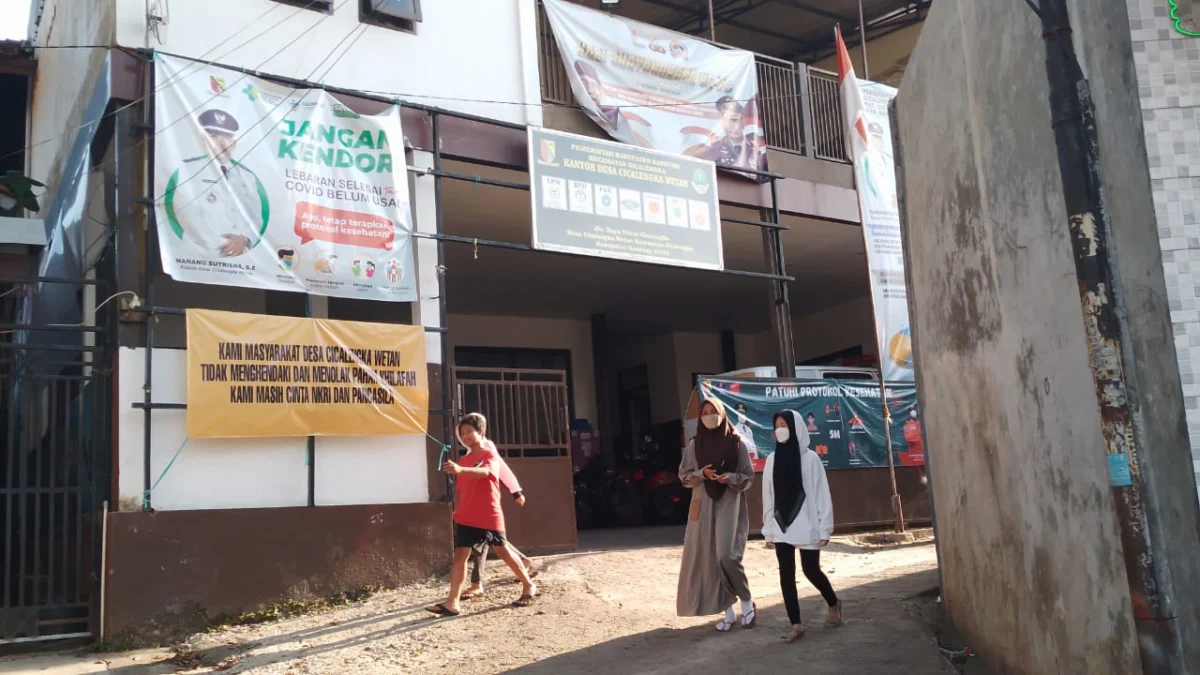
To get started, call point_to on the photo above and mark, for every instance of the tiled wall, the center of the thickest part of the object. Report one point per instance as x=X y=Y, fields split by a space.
x=1168 y=75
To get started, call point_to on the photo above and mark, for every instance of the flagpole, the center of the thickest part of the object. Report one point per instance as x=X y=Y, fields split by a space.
x=862 y=33
x=897 y=505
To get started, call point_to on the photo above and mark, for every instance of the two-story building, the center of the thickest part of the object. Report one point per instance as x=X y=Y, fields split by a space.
x=127 y=527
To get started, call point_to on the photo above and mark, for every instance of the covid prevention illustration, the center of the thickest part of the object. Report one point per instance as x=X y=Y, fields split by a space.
x=262 y=185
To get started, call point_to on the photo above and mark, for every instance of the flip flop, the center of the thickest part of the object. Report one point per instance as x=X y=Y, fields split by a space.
x=441 y=609
x=525 y=600
x=724 y=626
x=795 y=633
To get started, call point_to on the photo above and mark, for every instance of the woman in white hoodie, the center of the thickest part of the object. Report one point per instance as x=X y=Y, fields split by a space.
x=798 y=515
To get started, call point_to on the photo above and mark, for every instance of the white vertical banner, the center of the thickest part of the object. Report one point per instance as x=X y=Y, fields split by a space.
x=263 y=185
x=869 y=145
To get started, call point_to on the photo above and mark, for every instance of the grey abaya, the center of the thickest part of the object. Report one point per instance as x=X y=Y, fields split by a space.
x=711 y=577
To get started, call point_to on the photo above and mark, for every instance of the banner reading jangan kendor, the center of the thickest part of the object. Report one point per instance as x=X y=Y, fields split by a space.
x=844 y=418
x=651 y=87
x=869 y=143
x=252 y=375
x=267 y=186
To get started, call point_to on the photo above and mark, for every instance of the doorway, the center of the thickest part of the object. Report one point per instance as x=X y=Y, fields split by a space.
x=636 y=418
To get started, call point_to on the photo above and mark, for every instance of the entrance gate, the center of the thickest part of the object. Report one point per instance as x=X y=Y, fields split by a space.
x=528 y=420
x=55 y=421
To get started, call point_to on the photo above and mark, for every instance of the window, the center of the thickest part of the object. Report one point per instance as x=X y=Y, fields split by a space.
x=315 y=5
x=398 y=14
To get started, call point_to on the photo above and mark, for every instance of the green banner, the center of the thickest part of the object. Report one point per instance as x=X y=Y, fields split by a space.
x=844 y=418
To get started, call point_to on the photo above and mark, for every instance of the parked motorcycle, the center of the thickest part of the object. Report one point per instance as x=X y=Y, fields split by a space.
x=666 y=498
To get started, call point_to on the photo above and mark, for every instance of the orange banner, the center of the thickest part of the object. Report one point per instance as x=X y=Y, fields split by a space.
x=252 y=375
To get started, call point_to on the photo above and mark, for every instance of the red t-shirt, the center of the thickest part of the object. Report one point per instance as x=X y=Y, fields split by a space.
x=479 y=497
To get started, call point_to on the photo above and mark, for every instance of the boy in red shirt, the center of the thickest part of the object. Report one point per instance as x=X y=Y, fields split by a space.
x=478 y=520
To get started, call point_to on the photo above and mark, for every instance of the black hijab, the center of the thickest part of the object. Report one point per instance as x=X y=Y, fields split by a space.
x=787 y=479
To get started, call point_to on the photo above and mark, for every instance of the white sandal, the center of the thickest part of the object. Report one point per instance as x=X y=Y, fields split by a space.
x=750 y=620
x=724 y=625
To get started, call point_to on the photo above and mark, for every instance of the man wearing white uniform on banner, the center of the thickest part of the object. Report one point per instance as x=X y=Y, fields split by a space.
x=214 y=202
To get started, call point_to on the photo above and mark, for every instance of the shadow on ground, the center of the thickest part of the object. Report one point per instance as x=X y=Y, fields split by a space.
x=882 y=635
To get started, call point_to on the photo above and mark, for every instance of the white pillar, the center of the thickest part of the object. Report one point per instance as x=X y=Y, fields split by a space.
x=426 y=310
x=429 y=283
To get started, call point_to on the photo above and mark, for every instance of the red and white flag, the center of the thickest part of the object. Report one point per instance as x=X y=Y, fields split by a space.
x=853 y=110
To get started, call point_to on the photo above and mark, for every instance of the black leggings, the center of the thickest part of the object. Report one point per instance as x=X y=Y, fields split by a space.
x=479 y=560
x=810 y=562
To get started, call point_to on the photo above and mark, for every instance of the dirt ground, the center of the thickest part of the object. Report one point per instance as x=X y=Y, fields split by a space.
x=610 y=606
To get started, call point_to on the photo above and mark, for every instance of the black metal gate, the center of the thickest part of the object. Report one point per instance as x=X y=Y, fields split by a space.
x=55 y=421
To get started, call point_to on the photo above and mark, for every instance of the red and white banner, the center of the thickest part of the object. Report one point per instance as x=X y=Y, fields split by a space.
x=869 y=145
x=651 y=87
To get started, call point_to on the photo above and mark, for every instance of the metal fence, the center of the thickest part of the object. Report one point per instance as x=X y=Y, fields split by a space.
x=527 y=410
x=801 y=106
x=55 y=422
x=829 y=140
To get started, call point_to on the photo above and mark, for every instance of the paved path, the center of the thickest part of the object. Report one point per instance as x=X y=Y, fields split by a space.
x=608 y=608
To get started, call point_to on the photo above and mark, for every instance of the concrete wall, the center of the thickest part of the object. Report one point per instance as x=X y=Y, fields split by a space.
x=64 y=82
x=850 y=324
x=169 y=573
x=1169 y=93
x=253 y=472
x=463 y=53
x=1031 y=558
x=574 y=335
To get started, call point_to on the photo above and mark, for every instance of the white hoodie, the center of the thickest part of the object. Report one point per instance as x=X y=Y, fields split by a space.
x=814 y=523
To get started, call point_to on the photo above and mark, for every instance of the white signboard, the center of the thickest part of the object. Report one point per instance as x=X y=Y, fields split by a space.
x=651 y=87
x=262 y=185
x=869 y=141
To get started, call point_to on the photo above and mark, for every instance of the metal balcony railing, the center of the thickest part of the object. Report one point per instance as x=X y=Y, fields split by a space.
x=801 y=106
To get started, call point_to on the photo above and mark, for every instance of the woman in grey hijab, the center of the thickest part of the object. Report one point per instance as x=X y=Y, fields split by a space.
x=716 y=466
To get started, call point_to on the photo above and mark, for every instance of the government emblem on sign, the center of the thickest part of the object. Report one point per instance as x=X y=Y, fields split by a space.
x=548 y=151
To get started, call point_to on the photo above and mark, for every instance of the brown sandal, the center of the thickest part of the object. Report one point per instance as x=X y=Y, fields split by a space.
x=794 y=633
x=834 y=620
x=524 y=601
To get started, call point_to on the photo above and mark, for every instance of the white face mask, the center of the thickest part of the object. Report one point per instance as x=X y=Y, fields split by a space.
x=710 y=421
x=782 y=434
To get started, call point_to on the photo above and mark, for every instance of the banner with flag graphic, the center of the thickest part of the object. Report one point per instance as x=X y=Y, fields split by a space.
x=662 y=90
x=869 y=145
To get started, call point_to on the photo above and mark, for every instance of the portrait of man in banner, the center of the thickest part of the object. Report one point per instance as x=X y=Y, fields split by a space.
x=213 y=202
x=737 y=139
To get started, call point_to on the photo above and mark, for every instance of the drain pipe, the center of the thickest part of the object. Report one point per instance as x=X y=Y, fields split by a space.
x=1107 y=329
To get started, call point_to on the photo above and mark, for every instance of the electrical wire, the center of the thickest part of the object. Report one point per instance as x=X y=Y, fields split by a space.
x=262 y=119
x=181 y=74
x=81 y=324
x=390 y=94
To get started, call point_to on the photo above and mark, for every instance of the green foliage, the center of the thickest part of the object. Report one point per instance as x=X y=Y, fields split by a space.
x=21 y=187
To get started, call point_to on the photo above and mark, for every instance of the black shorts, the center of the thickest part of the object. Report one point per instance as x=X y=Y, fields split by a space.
x=476 y=538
